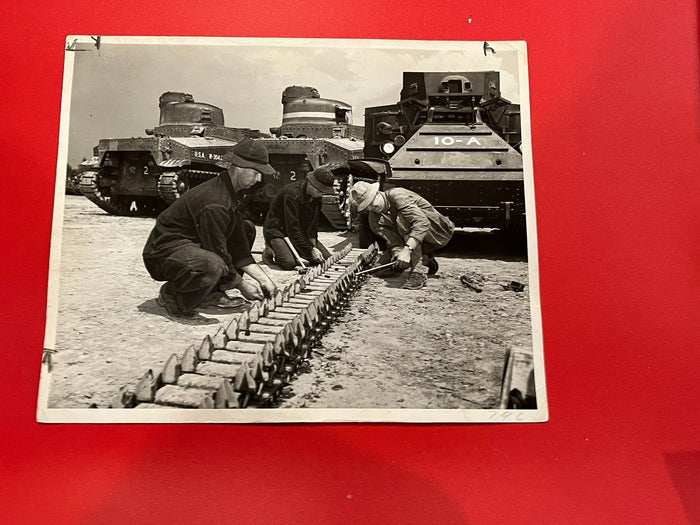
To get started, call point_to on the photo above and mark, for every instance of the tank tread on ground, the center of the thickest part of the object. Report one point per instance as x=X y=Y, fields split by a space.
x=454 y=140
x=254 y=355
x=251 y=358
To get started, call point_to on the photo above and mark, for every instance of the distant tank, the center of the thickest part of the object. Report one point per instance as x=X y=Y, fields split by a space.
x=454 y=140
x=314 y=131
x=143 y=175
x=72 y=180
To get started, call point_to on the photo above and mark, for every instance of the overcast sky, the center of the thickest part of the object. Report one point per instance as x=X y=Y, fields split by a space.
x=115 y=89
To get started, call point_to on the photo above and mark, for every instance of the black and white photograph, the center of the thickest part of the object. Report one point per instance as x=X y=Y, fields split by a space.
x=293 y=230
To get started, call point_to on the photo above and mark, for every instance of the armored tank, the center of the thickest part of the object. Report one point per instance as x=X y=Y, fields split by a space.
x=454 y=140
x=143 y=175
x=314 y=131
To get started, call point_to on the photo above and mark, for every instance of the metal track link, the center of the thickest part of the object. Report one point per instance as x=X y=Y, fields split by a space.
x=253 y=355
x=89 y=188
x=336 y=208
x=171 y=183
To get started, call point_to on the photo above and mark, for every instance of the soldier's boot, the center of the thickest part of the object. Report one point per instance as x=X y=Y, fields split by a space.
x=169 y=301
x=415 y=281
x=222 y=300
x=432 y=264
x=417 y=278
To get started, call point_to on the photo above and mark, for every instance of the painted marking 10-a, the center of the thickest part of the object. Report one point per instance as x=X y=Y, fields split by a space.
x=451 y=141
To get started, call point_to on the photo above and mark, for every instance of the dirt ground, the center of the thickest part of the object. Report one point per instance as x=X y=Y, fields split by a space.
x=440 y=347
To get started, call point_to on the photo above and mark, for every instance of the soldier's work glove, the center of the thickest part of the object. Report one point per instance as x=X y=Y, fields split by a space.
x=403 y=259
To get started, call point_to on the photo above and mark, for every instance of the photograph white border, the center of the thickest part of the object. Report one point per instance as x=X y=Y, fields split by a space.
x=291 y=415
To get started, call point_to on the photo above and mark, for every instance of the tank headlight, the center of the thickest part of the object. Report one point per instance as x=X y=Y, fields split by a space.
x=388 y=148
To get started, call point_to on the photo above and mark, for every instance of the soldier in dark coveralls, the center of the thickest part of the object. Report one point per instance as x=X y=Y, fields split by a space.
x=412 y=228
x=294 y=213
x=201 y=244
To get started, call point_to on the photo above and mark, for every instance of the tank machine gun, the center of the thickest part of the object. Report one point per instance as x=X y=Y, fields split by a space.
x=454 y=140
x=143 y=175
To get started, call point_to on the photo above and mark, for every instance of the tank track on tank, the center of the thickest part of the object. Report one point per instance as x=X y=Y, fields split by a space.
x=116 y=204
x=169 y=181
x=337 y=208
x=89 y=188
x=254 y=354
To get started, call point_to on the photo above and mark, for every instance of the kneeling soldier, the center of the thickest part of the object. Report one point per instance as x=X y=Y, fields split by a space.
x=201 y=244
x=294 y=213
x=409 y=224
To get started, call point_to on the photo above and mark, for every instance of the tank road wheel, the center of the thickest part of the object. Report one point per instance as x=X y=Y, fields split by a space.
x=172 y=184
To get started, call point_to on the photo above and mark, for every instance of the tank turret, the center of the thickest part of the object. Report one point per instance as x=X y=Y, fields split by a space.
x=181 y=115
x=306 y=114
x=181 y=109
x=314 y=131
x=293 y=92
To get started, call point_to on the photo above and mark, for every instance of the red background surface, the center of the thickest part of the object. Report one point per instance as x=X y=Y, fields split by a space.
x=615 y=131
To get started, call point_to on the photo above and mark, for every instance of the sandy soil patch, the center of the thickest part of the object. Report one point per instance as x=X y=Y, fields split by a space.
x=441 y=347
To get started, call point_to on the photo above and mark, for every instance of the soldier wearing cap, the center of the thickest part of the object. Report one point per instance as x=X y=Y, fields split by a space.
x=294 y=213
x=201 y=244
x=409 y=224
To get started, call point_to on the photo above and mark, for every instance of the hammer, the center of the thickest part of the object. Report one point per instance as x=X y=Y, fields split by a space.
x=303 y=268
